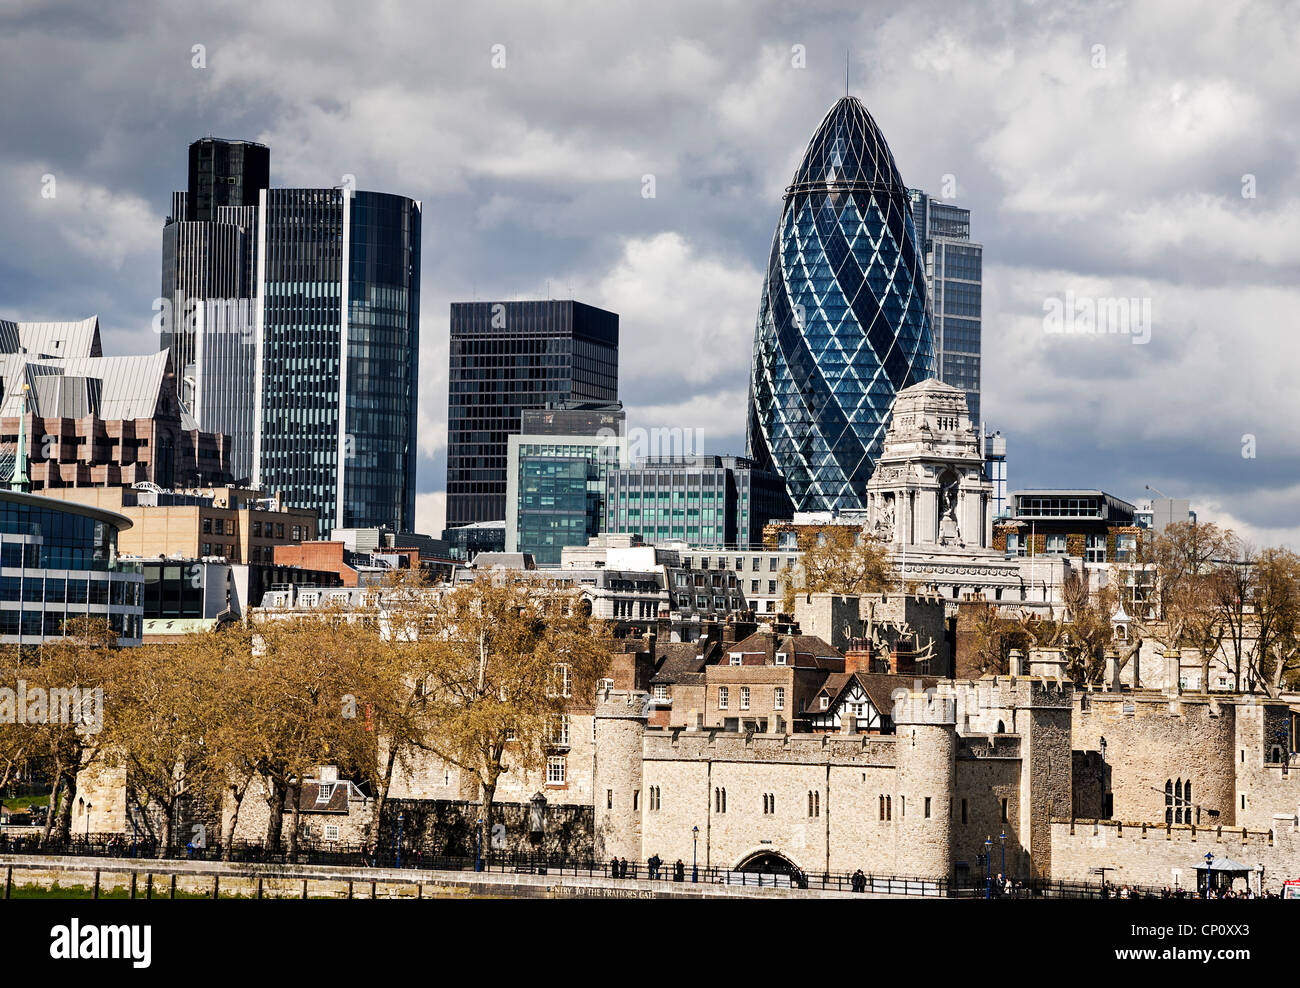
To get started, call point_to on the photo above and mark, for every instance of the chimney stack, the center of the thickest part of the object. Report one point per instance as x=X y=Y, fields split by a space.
x=1173 y=672
x=1112 y=671
x=858 y=659
x=902 y=662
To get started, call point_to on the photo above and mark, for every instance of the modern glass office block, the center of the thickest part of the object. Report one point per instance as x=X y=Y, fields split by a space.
x=59 y=562
x=506 y=357
x=843 y=323
x=339 y=342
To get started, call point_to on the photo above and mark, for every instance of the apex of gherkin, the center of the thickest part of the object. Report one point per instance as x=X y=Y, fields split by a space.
x=843 y=321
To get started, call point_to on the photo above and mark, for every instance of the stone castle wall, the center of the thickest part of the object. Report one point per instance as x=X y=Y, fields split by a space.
x=1151 y=739
x=1168 y=856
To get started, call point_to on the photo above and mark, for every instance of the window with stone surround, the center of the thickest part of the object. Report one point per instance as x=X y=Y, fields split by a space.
x=723 y=697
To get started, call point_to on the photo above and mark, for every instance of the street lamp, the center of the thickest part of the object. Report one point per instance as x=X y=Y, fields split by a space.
x=400 y=818
x=1003 y=838
x=988 y=867
x=1101 y=781
x=478 y=846
x=695 y=856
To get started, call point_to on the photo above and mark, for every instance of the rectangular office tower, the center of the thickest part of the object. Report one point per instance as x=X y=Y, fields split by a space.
x=337 y=341
x=954 y=270
x=505 y=357
x=209 y=266
x=709 y=501
x=558 y=466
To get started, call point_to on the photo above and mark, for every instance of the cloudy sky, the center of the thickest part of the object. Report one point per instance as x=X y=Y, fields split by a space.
x=1144 y=150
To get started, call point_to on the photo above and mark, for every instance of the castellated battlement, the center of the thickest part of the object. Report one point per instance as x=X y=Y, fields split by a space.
x=712 y=744
x=1103 y=707
x=933 y=707
x=1233 y=836
x=1170 y=854
x=622 y=705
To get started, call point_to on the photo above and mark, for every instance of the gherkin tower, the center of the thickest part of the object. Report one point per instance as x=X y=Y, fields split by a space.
x=843 y=323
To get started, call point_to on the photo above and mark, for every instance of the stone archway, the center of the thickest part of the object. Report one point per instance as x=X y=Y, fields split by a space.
x=767 y=861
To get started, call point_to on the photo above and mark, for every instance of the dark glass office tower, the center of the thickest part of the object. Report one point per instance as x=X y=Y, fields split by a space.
x=954 y=269
x=505 y=357
x=338 y=338
x=209 y=267
x=843 y=322
x=225 y=173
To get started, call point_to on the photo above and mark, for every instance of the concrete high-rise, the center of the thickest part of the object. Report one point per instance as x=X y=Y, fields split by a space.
x=843 y=322
x=505 y=357
x=954 y=268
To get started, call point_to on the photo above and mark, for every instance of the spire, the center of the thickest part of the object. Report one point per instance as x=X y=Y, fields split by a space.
x=846 y=72
x=19 y=481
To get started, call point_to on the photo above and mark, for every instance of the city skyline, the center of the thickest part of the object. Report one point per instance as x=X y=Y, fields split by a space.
x=1128 y=173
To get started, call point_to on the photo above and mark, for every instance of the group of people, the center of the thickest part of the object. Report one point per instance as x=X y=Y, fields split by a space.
x=654 y=867
x=1109 y=891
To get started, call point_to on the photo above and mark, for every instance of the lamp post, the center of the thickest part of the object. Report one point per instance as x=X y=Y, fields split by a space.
x=1101 y=781
x=1209 y=862
x=400 y=818
x=478 y=846
x=988 y=867
x=695 y=856
x=1003 y=838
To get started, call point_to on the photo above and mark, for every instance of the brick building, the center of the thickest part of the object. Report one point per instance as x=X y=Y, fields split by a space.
x=238 y=524
x=96 y=421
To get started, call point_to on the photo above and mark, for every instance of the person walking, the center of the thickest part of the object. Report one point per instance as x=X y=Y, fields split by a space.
x=679 y=871
x=613 y=867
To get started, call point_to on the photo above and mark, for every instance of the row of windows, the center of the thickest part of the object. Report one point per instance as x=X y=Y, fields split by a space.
x=724 y=697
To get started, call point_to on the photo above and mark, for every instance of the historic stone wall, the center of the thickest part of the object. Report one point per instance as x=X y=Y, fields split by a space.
x=1151 y=739
x=447 y=827
x=1160 y=855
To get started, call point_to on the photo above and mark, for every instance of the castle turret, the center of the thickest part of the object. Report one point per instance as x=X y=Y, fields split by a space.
x=620 y=726
x=926 y=750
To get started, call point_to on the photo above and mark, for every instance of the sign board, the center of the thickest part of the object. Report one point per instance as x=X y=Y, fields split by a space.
x=1291 y=888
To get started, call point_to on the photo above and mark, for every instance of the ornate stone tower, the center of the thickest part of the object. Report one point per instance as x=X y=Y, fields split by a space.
x=926 y=753
x=620 y=726
x=929 y=488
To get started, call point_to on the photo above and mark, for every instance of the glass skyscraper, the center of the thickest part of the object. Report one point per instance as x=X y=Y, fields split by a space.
x=843 y=323
x=558 y=468
x=954 y=270
x=337 y=354
x=506 y=357
x=209 y=273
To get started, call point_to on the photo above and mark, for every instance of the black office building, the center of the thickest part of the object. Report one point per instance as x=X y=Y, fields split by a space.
x=505 y=357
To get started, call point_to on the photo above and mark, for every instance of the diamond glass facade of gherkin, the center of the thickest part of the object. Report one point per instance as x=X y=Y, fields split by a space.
x=843 y=324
